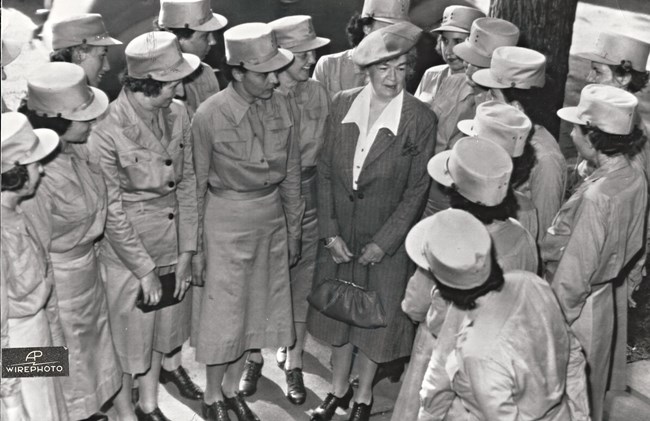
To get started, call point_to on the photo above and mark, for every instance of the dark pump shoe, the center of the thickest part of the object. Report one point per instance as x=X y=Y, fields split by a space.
x=155 y=415
x=186 y=387
x=295 y=386
x=248 y=382
x=238 y=405
x=216 y=411
x=360 y=412
x=326 y=410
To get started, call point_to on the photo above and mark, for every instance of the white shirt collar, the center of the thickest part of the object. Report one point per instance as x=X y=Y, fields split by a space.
x=389 y=118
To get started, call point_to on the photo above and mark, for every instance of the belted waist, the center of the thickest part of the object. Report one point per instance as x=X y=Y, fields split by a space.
x=246 y=195
x=168 y=200
x=72 y=254
x=307 y=172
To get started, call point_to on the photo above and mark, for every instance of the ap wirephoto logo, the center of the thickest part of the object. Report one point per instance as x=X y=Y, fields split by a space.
x=46 y=361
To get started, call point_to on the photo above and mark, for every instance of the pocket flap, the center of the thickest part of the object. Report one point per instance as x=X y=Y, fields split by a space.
x=134 y=157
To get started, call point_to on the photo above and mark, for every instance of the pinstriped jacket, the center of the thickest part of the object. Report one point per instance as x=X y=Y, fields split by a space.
x=393 y=183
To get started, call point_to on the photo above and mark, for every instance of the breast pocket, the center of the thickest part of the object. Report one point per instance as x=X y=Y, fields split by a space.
x=70 y=203
x=229 y=144
x=277 y=134
x=312 y=124
x=136 y=170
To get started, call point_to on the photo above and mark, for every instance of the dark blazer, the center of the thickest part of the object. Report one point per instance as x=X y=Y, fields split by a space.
x=393 y=182
x=390 y=197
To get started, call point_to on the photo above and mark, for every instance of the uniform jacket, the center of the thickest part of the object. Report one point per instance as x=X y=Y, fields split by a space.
x=595 y=234
x=337 y=72
x=430 y=83
x=199 y=87
x=392 y=184
x=310 y=104
x=547 y=181
x=152 y=206
x=491 y=360
x=229 y=154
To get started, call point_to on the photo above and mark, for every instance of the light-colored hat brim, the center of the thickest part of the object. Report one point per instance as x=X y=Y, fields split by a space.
x=466 y=127
x=105 y=42
x=12 y=51
x=278 y=61
x=92 y=111
x=437 y=168
x=414 y=243
x=484 y=78
x=214 y=24
x=48 y=140
x=450 y=28
x=389 y=20
x=597 y=58
x=467 y=53
x=189 y=64
x=312 y=44
x=570 y=114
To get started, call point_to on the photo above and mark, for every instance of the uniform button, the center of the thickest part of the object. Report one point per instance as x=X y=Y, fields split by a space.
x=170 y=216
x=351 y=197
x=181 y=145
x=171 y=184
x=266 y=183
x=360 y=195
x=168 y=162
x=262 y=160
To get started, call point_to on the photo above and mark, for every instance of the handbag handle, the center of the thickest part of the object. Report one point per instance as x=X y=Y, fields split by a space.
x=352 y=266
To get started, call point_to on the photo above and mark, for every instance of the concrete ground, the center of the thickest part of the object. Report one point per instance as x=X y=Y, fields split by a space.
x=270 y=404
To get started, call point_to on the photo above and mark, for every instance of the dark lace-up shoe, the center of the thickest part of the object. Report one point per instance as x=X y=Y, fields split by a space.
x=238 y=405
x=296 y=392
x=327 y=408
x=248 y=382
x=186 y=387
x=216 y=411
x=155 y=415
x=360 y=412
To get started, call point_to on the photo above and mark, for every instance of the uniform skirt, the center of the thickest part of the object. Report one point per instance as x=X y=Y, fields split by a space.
x=95 y=373
x=302 y=274
x=246 y=301
x=42 y=396
x=136 y=334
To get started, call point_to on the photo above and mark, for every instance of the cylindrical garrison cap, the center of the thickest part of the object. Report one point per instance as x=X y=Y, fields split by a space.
x=21 y=144
x=458 y=19
x=486 y=35
x=297 y=34
x=87 y=28
x=513 y=67
x=192 y=14
x=454 y=246
x=254 y=46
x=614 y=49
x=390 y=11
x=60 y=89
x=611 y=109
x=157 y=55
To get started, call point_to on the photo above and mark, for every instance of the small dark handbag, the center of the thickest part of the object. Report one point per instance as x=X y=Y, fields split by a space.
x=168 y=284
x=348 y=302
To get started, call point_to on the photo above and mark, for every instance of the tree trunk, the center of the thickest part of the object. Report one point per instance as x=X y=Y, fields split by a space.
x=546 y=26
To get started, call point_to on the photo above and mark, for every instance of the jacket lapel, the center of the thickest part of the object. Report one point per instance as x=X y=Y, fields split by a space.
x=382 y=141
x=349 y=136
x=136 y=130
x=169 y=119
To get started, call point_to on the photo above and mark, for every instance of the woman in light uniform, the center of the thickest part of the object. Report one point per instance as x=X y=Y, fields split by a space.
x=456 y=23
x=30 y=314
x=144 y=146
x=601 y=228
x=247 y=160
x=69 y=213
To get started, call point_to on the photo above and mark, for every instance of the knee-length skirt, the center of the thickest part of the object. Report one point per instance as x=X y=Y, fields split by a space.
x=246 y=299
x=95 y=373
